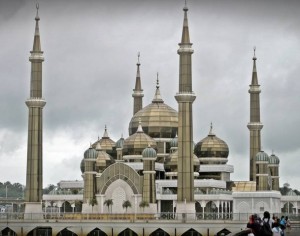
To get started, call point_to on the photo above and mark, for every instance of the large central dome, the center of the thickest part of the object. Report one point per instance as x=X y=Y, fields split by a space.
x=158 y=119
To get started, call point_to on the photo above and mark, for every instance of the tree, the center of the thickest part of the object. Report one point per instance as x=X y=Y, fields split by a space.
x=93 y=202
x=143 y=204
x=108 y=203
x=126 y=204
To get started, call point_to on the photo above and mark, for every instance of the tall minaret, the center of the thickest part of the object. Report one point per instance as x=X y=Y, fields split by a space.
x=254 y=125
x=35 y=104
x=138 y=91
x=185 y=98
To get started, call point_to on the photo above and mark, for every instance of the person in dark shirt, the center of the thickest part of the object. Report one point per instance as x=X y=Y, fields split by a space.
x=253 y=224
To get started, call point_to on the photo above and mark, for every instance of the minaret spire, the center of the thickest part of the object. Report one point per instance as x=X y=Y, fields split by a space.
x=254 y=125
x=35 y=104
x=185 y=98
x=138 y=91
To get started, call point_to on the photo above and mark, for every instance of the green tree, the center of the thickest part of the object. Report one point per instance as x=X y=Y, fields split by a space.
x=93 y=202
x=108 y=203
x=143 y=204
x=126 y=204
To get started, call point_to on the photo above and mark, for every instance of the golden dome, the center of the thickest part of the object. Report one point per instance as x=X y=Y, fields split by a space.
x=158 y=119
x=105 y=142
x=137 y=142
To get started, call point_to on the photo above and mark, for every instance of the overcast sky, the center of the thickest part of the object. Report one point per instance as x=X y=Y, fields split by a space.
x=90 y=50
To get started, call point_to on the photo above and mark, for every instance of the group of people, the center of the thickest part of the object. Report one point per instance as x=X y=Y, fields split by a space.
x=268 y=226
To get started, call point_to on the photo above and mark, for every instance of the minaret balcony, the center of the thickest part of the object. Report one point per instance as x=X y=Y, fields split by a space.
x=255 y=126
x=254 y=89
x=185 y=48
x=185 y=97
x=35 y=102
x=36 y=56
x=138 y=94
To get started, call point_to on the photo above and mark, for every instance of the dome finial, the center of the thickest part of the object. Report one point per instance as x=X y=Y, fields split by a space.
x=157 y=97
x=211 y=127
x=157 y=81
x=140 y=128
x=105 y=135
x=185 y=6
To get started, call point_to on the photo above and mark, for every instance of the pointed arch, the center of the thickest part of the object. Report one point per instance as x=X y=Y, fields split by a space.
x=191 y=232
x=8 y=232
x=128 y=232
x=223 y=232
x=123 y=172
x=66 y=232
x=96 y=232
x=40 y=231
x=159 y=232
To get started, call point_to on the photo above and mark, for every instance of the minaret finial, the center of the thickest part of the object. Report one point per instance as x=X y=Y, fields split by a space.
x=254 y=56
x=37 y=11
x=138 y=58
x=157 y=81
x=185 y=6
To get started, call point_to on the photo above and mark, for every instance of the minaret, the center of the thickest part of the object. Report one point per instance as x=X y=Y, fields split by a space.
x=185 y=98
x=254 y=125
x=35 y=104
x=138 y=91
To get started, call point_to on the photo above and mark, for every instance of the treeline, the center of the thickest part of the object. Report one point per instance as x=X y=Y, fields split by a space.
x=7 y=189
x=17 y=190
x=287 y=190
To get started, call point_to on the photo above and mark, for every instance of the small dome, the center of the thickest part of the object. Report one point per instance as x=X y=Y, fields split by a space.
x=211 y=146
x=136 y=143
x=173 y=162
x=174 y=142
x=120 y=143
x=90 y=153
x=262 y=156
x=149 y=152
x=105 y=142
x=158 y=119
x=274 y=160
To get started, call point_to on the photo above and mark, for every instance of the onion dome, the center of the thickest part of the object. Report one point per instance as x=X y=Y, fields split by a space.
x=274 y=160
x=158 y=119
x=105 y=142
x=120 y=142
x=82 y=166
x=90 y=153
x=262 y=156
x=103 y=159
x=211 y=146
x=137 y=142
x=174 y=142
x=149 y=152
x=173 y=162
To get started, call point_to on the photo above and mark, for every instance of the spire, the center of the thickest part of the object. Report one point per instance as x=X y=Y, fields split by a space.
x=105 y=134
x=185 y=39
x=254 y=72
x=36 y=42
x=137 y=91
x=140 y=128
x=211 y=129
x=138 y=86
x=157 y=97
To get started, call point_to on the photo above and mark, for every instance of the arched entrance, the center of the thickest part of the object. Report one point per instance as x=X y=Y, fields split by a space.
x=127 y=232
x=8 y=232
x=41 y=231
x=159 y=232
x=96 y=232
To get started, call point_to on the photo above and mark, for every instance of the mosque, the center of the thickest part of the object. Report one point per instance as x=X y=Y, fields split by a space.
x=158 y=168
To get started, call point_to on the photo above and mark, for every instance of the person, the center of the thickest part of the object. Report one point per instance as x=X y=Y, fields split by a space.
x=282 y=225
x=253 y=225
x=288 y=224
x=276 y=229
x=266 y=228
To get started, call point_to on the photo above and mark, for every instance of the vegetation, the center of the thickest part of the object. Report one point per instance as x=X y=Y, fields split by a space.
x=93 y=202
x=286 y=189
x=10 y=190
x=143 y=204
x=108 y=203
x=126 y=204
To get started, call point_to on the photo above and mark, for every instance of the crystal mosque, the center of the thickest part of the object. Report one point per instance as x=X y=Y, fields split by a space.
x=158 y=170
